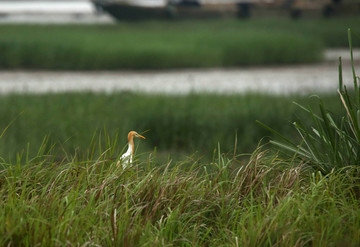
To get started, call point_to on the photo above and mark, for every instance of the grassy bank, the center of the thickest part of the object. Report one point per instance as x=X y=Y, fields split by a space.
x=158 y=47
x=181 y=124
x=331 y=31
x=165 y=45
x=90 y=201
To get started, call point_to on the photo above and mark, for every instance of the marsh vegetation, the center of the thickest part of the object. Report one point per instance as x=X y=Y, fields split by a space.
x=169 y=45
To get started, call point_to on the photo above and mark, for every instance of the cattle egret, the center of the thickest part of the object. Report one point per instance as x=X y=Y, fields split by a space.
x=127 y=157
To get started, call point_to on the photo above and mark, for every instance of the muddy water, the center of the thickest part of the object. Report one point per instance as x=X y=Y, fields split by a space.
x=304 y=79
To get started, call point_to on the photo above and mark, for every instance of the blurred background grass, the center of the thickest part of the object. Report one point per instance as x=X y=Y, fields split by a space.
x=165 y=45
x=173 y=124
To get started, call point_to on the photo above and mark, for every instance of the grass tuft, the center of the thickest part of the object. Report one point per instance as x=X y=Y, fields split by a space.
x=329 y=142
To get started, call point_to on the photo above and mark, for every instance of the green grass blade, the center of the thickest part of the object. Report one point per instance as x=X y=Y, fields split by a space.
x=293 y=149
x=275 y=132
x=340 y=75
x=352 y=60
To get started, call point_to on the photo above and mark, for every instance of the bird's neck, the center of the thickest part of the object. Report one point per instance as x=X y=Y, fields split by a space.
x=131 y=146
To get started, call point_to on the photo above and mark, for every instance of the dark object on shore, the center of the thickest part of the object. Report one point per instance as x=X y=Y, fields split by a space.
x=122 y=11
x=126 y=11
x=189 y=3
x=184 y=9
x=243 y=10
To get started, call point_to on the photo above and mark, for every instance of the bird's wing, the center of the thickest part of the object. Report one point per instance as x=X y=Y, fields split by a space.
x=124 y=156
x=125 y=159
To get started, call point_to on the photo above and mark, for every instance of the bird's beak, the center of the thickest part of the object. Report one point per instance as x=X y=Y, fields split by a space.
x=141 y=136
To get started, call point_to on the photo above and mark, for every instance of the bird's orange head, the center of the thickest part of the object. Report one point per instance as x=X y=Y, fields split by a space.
x=133 y=134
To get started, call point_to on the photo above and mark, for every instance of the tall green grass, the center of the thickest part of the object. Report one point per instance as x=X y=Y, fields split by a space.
x=89 y=201
x=180 y=124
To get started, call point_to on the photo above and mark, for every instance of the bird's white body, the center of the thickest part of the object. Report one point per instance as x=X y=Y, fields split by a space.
x=127 y=158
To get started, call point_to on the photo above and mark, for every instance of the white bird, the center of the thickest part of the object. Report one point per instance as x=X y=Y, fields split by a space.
x=127 y=157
